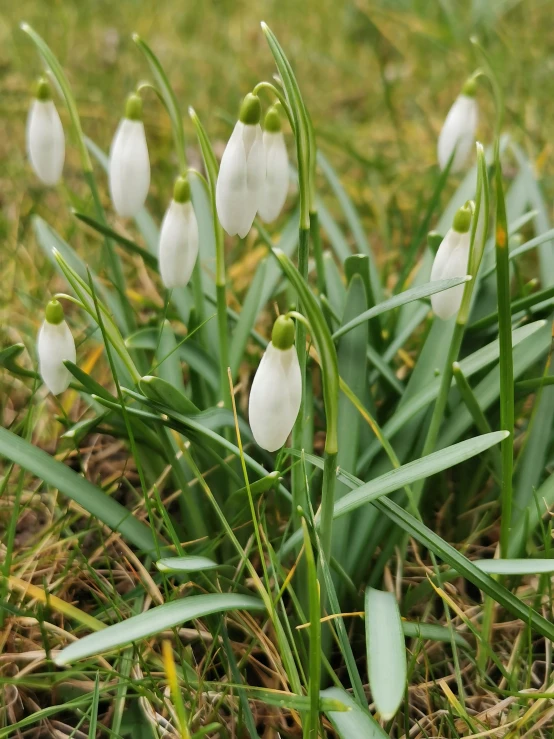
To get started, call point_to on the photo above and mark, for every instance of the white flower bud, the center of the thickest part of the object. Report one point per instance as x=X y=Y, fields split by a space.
x=458 y=131
x=45 y=137
x=55 y=345
x=276 y=392
x=178 y=239
x=129 y=171
x=451 y=260
x=242 y=172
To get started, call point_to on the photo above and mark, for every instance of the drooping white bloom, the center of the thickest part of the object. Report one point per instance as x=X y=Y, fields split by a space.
x=242 y=172
x=458 y=131
x=55 y=345
x=276 y=184
x=45 y=137
x=129 y=171
x=178 y=238
x=451 y=260
x=277 y=389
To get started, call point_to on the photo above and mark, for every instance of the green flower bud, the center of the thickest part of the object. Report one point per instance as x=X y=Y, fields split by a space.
x=462 y=219
x=54 y=312
x=181 y=190
x=470 y=87
x=434 y=240
x=282 y=336
x=272 y=120
x=43 y=91
x=250 y=110
x=133 y=107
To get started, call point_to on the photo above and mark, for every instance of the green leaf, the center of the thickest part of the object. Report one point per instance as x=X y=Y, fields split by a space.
x=433 y=632
x=161 y=391
x=415 y=293
x=154 y=621
x=168 y=364
x=386 y=651
x=515 y=566
x=247 y=318
x=448 y=554
x=105 y=230
x=325 y=348
x=186 y=564
x=357 y=723
x=83 y=492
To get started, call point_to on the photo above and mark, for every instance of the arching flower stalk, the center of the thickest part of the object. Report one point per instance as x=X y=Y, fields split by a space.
x=242 y=171
x=129 y=171
x=55 y=345
x=457 y=137
x=45 y=136
x=178 y=248
x=277 y=389
x=451 y=260
x=276 y=184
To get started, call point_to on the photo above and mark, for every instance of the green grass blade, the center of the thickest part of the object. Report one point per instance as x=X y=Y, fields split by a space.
x=355 y=724
x=189 y=563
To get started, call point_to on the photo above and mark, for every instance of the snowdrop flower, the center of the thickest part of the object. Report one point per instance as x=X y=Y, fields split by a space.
x=129 y=171
x=276 y=185
x=277 y=389
x=242 y=171
x=178 y=238
x=55 y=345
x=451 y=260
x=458 y=131
x=45 y=137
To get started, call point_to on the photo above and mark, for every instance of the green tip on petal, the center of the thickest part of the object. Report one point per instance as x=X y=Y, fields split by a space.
x=133 y=107
x=54 y=312
x=282 y=336
x=43 y=90
x=470 y=87
x=434 y=240
x=181 y=190
x=250 y=110
x=462 y=219
x=272 y=120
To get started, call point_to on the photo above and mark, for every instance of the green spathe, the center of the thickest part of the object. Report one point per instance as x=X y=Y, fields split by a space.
x=462 y=219
x=282 y=336
x=470 y=87
x=133 y=107
x=250 y=110
x=54 y=312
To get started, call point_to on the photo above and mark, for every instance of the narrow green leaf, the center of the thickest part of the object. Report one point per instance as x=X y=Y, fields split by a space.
x=433 y=632
x=386 y=651
x=155 y=620
x=83 y=492
x=168 y=364
x=247 y=318
x=357 y=723
x=186 y=564
x=515 y=566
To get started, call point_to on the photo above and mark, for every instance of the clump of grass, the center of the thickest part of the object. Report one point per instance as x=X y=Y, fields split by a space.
x=163 y=575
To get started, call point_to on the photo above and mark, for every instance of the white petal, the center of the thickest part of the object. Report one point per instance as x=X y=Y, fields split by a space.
x=55 y=344
x=129 y=168
x=240 y=176
x=45 y=141
x=275 y=397
x=276 y=185
x=178 y=244
x=458 y=132
x=450 y=261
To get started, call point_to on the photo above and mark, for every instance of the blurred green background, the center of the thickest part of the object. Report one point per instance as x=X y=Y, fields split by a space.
x=377 y=75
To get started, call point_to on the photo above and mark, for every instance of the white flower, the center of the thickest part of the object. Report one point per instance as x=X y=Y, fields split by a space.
x=178 y=238
x=129 y=171
x=277 y=389
x=276 y=184
x=458 y=131
x=45 y=137
x=242 y=172
x=55 y=345
x=451 y=260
